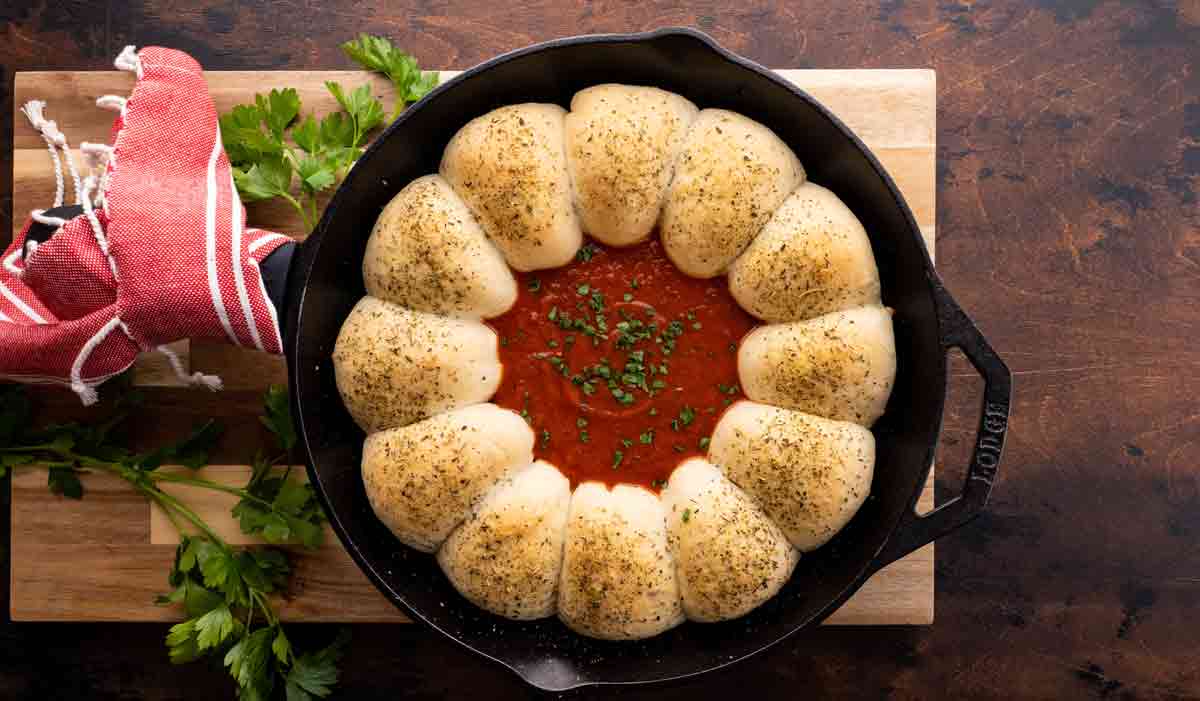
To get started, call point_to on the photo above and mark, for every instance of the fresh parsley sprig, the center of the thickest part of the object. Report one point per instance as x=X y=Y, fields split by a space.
x=275 y=153
x=379 y=55
x=225 y=591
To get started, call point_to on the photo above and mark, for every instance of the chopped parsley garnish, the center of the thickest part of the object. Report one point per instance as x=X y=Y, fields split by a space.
x=687 y=515
x=581 y=422
x=586 y=252
x=627 y=297
x=673 y=331
x=535 y=285
x=727 y=389
x=703 y=442
x=631 y=331
x=633 y=283
x=584 y=437
x=686 y=416
x=678 y=448
x=552 y=315
x=626 y=442
x=647 y=437
x=545 y=438
x=618 y=456
x=552 y=343
x=583 y=289
x=696 y=326
x=653 y=411
x=658 y=484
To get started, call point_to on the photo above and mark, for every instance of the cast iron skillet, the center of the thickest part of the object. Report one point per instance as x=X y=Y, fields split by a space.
x=326 y=280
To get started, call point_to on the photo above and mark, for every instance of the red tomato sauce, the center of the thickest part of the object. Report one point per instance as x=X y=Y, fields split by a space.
x=621 y=364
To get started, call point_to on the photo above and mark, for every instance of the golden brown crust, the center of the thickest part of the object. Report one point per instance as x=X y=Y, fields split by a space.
x=730 y=177
x=507 y=557
x=427 y=253
x=618 y=581
x=729 y=556
x=510 y=167
x=841 y=365
x=809 y=474
x=394 y=366
x=423 y=479
x=813 y=257
x=622 y=142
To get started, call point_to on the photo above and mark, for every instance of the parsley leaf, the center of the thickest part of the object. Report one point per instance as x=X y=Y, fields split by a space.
x=378 y=54
x=278 y=108
x=364 y=110
x=64 y=480
x=315 y=674
x=270 y=177
x=337 y=130
x=307 y=135
x=278 y=416
x=224 y=591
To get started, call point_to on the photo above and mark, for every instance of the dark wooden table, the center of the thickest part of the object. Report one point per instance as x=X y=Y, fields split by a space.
x=1068 y=161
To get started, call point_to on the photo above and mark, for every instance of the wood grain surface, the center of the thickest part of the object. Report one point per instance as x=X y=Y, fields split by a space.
x=893 y=111
x=1068 y=167
x=105 y=558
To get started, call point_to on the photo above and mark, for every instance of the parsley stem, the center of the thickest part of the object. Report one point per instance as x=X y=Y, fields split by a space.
x=166 y=500
x=263 y=605
x=299 y=208
x=206 y=484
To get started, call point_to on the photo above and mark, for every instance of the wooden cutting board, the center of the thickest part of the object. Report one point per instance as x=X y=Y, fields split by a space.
x=106 y=557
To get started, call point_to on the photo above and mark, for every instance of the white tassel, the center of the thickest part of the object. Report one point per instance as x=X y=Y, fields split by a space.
x=97 y=230
x=87 y=393
x=95 y=155
x=128 y=60
x=40 y=216
x=211 y=382
x=34 y=111
x=10 y=264
x=116 y=103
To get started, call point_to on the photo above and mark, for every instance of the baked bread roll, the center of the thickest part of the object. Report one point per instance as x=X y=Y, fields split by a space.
x=808 y=474
x=428 y=253
x=729 y=556
x=423 y=479
x=510 y=167
x=813 y=257
x=841 y=365
x=622 y=142
x=731 y=175
x=618 y=581
x=507 y=557
x=394 y=366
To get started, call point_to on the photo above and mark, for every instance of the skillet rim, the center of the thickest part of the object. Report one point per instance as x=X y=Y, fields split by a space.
x=309 y=250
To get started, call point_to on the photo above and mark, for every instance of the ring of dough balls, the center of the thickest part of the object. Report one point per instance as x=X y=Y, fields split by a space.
x=785 y=470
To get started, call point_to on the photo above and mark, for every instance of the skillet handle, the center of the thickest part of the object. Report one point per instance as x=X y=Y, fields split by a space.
x=958 y=331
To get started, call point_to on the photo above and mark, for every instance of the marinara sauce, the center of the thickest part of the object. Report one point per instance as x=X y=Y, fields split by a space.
x=620 y=363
